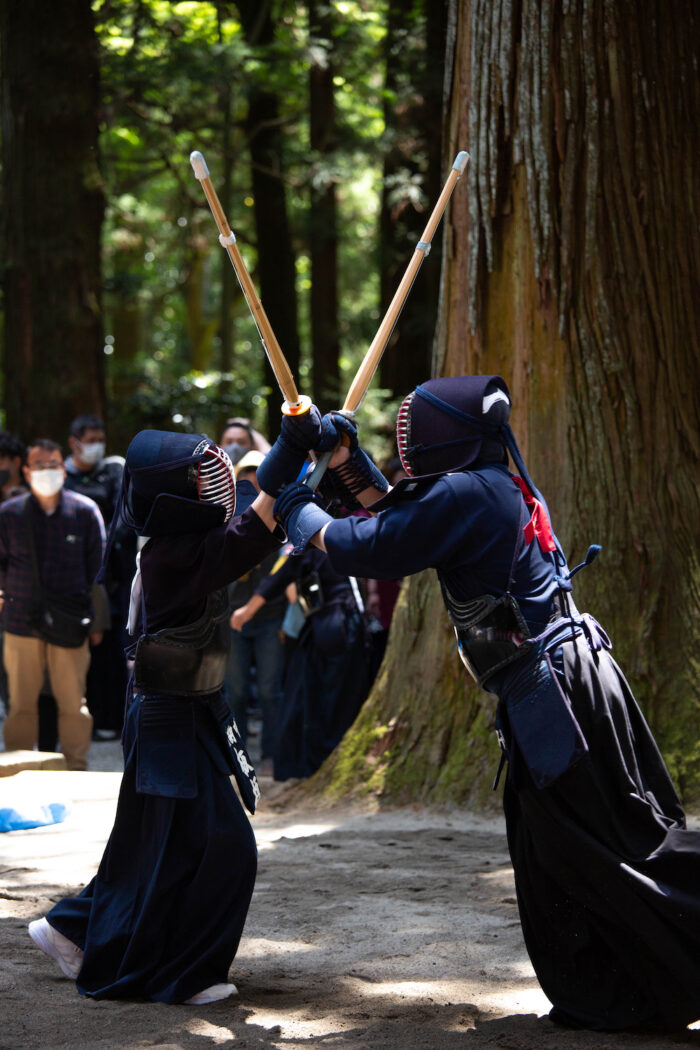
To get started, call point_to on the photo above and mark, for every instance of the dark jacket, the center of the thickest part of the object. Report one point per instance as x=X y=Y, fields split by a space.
x=69 y=546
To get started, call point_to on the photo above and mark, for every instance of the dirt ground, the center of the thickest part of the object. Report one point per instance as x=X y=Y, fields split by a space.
x=397 y=930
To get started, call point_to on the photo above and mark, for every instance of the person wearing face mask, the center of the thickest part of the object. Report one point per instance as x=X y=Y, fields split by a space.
x=12 y=483
x=239 y=437
x=68 y=536
x=93 y=474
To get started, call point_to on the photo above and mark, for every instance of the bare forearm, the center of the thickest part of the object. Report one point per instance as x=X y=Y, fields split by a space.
x=263 y=506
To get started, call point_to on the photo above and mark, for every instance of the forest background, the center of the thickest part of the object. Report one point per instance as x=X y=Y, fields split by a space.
x=568 y=262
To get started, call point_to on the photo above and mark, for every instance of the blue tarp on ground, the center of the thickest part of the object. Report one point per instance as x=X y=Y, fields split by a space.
x=32 y=814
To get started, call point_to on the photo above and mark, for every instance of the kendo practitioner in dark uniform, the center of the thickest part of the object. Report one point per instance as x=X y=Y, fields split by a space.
x=163 y=917
x=607 y=875
x=329 y=672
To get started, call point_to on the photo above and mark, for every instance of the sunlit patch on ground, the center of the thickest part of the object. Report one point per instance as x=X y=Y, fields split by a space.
x=266 y=837
x=257 y=946
x=216 y=1033
x=288 y=1021
x=529 y=998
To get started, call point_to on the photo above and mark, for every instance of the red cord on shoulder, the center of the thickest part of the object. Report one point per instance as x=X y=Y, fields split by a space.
x=538 y=525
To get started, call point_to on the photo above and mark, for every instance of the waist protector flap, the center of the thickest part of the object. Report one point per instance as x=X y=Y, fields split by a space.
x=188 y=660
x=542 y=722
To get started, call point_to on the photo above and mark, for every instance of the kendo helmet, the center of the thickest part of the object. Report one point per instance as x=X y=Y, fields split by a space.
x=451 y=423
x=176 y=483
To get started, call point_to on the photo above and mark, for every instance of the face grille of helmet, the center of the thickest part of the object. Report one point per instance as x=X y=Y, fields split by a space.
x=215 y=480
x=403 y=432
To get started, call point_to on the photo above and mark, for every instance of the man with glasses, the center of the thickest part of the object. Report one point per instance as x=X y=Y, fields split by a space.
x=67 y=533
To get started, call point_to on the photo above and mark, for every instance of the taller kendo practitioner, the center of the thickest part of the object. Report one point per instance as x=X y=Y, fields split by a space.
x=607 y=876
x=163 y=917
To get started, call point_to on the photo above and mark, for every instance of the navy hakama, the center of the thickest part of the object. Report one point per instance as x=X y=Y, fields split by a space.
x=163 y=917
x=607 y=875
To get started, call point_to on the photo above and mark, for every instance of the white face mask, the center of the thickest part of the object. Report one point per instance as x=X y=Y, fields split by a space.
x=47 y=482
x=92 y=453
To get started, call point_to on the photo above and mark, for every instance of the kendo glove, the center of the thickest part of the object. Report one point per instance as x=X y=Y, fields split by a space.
x=299 y=510
x=298 y=434
x=337 y=429
x=358 y=472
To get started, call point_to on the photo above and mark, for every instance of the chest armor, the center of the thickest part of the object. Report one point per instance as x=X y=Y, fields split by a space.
x=188 y=660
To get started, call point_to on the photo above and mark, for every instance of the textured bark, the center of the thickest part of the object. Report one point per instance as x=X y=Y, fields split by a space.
x=52 y=215
x=582 y=124
x=571 y=269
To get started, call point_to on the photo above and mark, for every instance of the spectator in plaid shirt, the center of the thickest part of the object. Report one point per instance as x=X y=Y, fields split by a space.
x=69 y=538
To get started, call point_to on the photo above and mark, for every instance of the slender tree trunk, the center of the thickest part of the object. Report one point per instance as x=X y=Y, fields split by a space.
x=573 y=272
x=323 y=227
x=125 y=322
x=52 y=215
x=276 y=257
x=201 y=329
x=228 y=277
x=414 y=50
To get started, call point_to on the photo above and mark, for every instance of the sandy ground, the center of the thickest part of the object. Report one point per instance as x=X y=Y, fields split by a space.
x=397 y=930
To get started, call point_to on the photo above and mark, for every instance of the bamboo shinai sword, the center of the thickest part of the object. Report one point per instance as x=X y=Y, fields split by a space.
x=365 y=373
x=294 y=403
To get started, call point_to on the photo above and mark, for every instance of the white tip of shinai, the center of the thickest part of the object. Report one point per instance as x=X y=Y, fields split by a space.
x=199 y=164
x=461 y=161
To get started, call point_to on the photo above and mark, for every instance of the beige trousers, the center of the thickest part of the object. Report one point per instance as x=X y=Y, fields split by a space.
x=26 y=661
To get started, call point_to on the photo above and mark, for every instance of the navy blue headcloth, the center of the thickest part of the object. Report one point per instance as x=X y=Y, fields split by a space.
x=173 y=484
x=450 y=423
x=176 y=483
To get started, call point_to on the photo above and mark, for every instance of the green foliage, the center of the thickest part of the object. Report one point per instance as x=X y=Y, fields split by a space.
x=176 y=77
x=195 y=401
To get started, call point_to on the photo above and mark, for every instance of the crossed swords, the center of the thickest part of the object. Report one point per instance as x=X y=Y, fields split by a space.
x=295 y=403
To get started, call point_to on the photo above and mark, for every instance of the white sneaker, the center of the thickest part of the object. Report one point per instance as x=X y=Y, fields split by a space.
x=212 y=994
x=68 y=955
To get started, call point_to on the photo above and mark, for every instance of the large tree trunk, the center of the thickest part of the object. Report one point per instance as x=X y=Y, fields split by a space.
x=52 y=215
x=573 y=272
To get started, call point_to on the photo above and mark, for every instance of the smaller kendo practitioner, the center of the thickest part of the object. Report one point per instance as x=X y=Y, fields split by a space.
x=163 y=916
x=607 y=875
x=329 y=672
